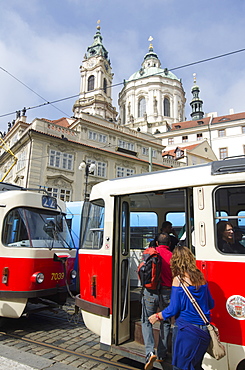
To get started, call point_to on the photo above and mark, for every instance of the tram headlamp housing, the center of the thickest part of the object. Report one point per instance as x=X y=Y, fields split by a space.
x=37 y=277
x=73 y=274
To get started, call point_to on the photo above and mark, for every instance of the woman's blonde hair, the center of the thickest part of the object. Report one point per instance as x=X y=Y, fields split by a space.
x=183 y=262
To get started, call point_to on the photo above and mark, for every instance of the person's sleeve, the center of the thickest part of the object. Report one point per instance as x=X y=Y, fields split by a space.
x=174 y=306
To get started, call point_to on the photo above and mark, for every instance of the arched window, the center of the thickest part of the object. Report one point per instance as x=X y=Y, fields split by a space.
x=91 y=83
x=105 y=86
x=166 y=107
x=123 y=114
x=141 y=107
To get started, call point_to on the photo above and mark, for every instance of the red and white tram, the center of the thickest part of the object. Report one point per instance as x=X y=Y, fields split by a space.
x=194 y=199
x=36 y=251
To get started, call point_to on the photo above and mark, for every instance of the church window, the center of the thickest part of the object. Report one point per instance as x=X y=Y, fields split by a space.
x=91 y=83
x=105 y=86
x=166 y=107
x=123 y=114
x=141 y=107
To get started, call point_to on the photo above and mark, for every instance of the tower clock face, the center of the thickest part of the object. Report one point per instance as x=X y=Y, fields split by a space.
x=91 y=63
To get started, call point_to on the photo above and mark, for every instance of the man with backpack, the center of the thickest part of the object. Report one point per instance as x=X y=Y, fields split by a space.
x=155 y=297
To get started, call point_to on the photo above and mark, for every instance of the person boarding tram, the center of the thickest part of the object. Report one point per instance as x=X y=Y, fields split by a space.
x=167 y=227
x=152 y=300
x=190 y=334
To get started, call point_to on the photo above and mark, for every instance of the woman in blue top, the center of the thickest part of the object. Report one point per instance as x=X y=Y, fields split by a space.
x=190 y=334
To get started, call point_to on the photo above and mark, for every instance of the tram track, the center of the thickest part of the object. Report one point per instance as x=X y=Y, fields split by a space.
x=70 y=352
x=82 y=347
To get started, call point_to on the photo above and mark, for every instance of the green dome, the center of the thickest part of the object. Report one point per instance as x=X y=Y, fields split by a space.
x=151 y=71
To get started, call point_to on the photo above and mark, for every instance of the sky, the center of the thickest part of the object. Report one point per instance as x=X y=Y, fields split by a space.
x=43 y=42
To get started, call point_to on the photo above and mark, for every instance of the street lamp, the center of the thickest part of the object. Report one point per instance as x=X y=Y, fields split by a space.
x=89 y=168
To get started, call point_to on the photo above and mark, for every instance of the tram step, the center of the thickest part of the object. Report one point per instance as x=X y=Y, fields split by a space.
x=135 y=351
x=136 y=332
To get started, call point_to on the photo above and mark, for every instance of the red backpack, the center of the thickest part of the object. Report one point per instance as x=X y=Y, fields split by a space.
x=150 y=268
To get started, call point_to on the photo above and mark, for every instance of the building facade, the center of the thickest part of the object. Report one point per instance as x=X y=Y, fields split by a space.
x=49 y=154
x=225 y=134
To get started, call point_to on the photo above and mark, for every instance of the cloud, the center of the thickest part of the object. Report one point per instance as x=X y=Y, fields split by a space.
x=42 y=43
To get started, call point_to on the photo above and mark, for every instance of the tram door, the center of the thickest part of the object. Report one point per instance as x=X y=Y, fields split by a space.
x=121 y=289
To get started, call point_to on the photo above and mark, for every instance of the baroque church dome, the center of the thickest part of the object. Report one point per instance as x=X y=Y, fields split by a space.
x=152 y=98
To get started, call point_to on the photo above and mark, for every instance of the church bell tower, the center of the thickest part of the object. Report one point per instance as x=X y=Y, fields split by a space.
x=96 y=81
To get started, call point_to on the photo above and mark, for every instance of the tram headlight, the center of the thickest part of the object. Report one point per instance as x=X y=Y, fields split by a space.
x=38 y=277
x=73 y=274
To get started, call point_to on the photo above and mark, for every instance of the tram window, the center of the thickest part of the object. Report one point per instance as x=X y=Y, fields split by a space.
x=230 y=219
x=177 y=219
x=30 y=227
x=125 y=229
x=143 y=229
x=124 y=290
x=93 y=225
x=175 y=201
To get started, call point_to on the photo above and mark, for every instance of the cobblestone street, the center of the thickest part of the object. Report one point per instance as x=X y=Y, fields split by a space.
x=51 y=340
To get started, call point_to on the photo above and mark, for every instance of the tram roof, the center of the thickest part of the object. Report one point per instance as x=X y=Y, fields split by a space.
x=216 y=172
x=4 y=186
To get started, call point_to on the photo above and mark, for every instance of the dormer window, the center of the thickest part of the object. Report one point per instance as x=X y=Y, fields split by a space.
x=179 y=153
x=221 y=133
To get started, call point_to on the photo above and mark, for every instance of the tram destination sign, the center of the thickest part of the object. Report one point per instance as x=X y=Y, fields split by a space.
x=49 y=202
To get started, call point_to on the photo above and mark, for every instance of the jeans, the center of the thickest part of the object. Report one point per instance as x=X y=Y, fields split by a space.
x=198 y=366
x=150 y=303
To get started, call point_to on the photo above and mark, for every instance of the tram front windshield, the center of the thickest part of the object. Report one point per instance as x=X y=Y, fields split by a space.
x=31 y=227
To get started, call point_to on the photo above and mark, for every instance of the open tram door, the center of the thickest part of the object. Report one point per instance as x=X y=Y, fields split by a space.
x=121 y=278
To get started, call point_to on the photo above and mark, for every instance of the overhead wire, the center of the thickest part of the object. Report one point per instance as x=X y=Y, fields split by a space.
x=113 y=85
x=29 y=88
